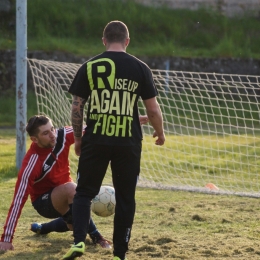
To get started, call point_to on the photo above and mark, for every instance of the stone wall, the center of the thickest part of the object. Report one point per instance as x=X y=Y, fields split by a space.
x=226 y=7
x=223 y=66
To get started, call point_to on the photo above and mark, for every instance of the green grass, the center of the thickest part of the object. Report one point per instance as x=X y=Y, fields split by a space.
x=7 y=160
x=76 y=27
x=8 y=108
x=208 y=108
x=168 y=224
x=230 y=161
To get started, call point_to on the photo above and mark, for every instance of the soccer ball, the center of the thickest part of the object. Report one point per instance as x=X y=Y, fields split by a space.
x=104 y=203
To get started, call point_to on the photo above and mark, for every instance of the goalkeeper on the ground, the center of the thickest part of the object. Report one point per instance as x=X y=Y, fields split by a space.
x=45 y=176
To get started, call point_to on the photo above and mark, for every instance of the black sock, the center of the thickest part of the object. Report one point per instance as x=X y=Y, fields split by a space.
x=57 y=225
x=67 y=217
x=81 y=216
x=92 y=227
x=95 y=236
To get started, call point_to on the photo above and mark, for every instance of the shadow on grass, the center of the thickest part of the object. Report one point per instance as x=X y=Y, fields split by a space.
x=38 y=247
x=47 y=247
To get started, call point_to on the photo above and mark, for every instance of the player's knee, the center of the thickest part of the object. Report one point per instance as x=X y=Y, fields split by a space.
x=70 y=189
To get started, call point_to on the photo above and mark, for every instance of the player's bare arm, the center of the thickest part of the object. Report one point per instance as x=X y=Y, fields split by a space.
x=77 y=109
x=154 y=114
x=78 y=104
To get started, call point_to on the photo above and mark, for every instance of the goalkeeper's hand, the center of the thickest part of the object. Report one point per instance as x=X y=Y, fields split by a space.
x=4 y=246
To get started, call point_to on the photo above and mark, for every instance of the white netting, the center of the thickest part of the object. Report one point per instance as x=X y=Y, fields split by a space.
x=211 y=124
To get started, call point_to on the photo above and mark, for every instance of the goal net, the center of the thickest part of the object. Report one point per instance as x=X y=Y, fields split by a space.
x=211 y=123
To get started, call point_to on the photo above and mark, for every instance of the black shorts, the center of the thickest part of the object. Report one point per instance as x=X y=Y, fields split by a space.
x=94 y=161
x=43 y=205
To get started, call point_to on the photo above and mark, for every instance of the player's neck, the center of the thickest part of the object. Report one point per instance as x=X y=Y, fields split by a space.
x=118 y=47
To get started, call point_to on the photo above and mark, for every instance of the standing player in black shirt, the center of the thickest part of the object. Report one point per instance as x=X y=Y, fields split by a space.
x=113 y=82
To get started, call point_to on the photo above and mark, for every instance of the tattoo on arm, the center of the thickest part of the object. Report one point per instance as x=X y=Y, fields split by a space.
x=77 y=111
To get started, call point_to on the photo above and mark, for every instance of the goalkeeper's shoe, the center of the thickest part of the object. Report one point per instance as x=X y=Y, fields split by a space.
x=36 y=228
x=117 y=258
x=98 y=239
x=75 y=251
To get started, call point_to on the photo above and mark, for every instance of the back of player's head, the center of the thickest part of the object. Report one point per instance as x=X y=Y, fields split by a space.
x=116 y=31
x=32 y=127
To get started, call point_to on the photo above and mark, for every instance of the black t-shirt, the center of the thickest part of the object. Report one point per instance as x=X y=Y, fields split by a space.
x=113 y=83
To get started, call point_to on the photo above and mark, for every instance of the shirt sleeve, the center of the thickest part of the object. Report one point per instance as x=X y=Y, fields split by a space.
x=69 y=135
x=79 y=86
x=22 y=190
x=149 y=89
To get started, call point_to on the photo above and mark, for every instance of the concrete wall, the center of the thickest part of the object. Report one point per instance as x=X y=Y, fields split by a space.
x=226 y=7
x=5 y=5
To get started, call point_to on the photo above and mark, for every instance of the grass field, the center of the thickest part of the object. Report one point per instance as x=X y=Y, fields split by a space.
x=168 y=224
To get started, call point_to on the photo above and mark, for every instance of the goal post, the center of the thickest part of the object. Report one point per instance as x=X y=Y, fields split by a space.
x=21 y=80
x=211 y=123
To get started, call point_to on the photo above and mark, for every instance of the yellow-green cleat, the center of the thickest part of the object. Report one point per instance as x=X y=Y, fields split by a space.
x=75 y=251
x=117 y=258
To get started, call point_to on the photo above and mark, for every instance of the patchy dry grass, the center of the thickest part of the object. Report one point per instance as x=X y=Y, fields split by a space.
x=168 y=224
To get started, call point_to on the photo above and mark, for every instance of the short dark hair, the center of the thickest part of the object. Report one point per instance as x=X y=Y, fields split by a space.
x=32 y=127
x=115 y=31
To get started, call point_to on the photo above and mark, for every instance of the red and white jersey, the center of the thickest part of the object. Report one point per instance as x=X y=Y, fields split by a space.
x=42 y=169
